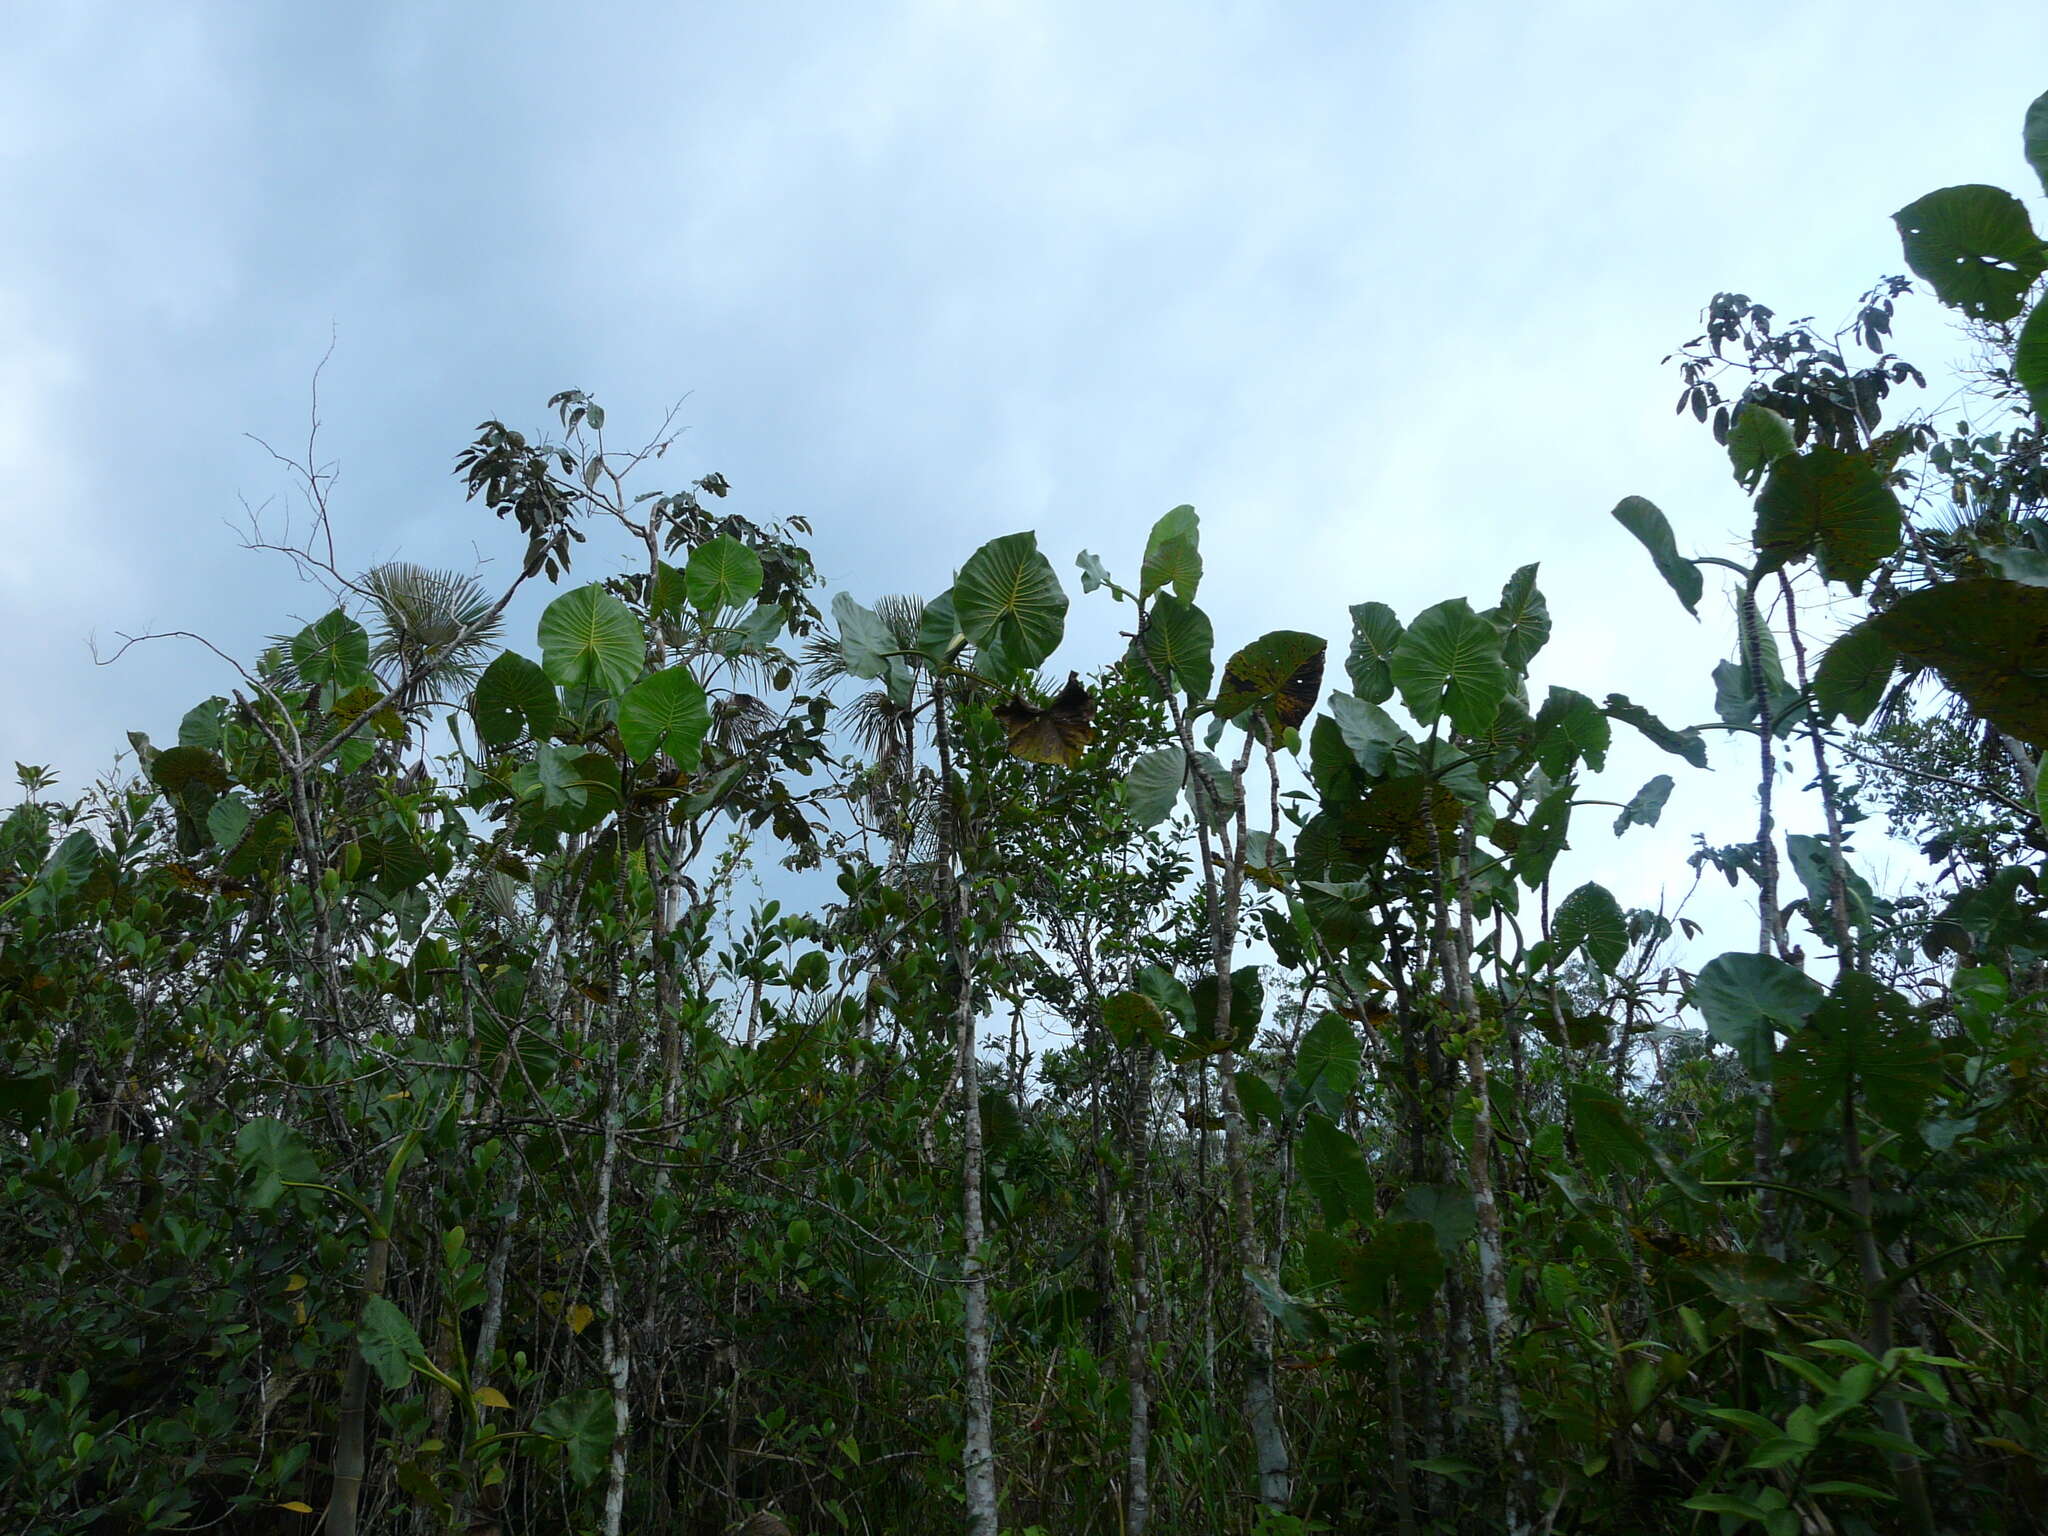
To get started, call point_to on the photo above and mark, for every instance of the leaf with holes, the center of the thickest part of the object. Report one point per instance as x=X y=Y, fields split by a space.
x=1590 y=918
x=1522 y=618
x=1976 y=246
x=1375 y=632
x=1279 y=674
x=1832 y=505
x=1645 y=806
x=513 y=698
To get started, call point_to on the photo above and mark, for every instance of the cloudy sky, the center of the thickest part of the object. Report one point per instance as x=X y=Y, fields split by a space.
x=1381 y=289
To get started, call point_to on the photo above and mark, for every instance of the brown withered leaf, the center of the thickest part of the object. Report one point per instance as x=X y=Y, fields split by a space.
x=1056 y=734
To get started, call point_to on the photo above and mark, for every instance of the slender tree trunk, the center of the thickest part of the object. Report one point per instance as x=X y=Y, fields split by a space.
x=978 y=1454
x=1138 y=1360
x=350 y=1435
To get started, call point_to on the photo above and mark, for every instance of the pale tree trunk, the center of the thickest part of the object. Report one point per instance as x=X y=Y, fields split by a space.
x=978 y=1452
x=1138 y=1362
x=1454 y=948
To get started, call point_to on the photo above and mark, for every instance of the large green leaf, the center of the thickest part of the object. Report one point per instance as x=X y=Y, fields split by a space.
x=1988 y=639
x=1176 y=644
x=1864 y=1039
x=1608 y=1139
x=1571 y=729
x=1808 y=856
x=1279 y=674
x=1368 y=731
x=585 y=1424
x=332 y=653
x=1757 y=440
x=1334 y=1170
x=939 y=638
x=1854 y=673
x=1542 y=836
x=2030 y=360
x=1650 y=526
x=1746 y=997
x=1010 y=605
x=1832 y=505
x=1975 y=245
x=1735 y=690
x=1449 y=663
x=1590 y=917
x=1398 y=1268
x=1448 y=1208
x=666 y=712
x=722 y=573
x=588 y=638
x=388 y=1342
x=1153 y=785
x=1375 y=633
x=2034 y=138
x=1522 y=618
x=513 y=697
x=1173 y=556
x=270 y=1155
x=1326 y=1063
x=1686 y=743
x=1645 y=806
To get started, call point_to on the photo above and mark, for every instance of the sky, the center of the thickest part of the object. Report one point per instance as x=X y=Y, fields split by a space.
x=1382 y=290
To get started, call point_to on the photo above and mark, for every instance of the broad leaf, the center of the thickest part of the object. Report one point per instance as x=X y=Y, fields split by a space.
x=1326 y=1062
x=1153 y=785
x=1570 y=729
x=1591 y=918
x=1976 y=246
x=1010 y=605
x=665 y=712
x=332 y=653
x=1176 y=644
x=589 y=639
x=1449 y=663
x=722 y=573
x=513 y=698
x=1853 y=674
x=939 y=638
x=1757 y=440
x=1686 y=743
x=585 y=1425
x=1375 y=633
x=1522 y=618
x=1989 y=641
x=2030 y=360
x=2034 y=138
x=1745 y=997
x=1645 y=806
x=388 y=1342
x=1832 y=505
x=1864 y=1039
x=1368 y=731
x=1173 y=556
x=1649 y=525
x=1448 y=1208
x=270 y=1155
x=1334 y=1170
x=1542 y=836
x=1279 y=674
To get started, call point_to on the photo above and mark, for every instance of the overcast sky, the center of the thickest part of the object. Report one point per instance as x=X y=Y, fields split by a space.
x=1381 y=289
